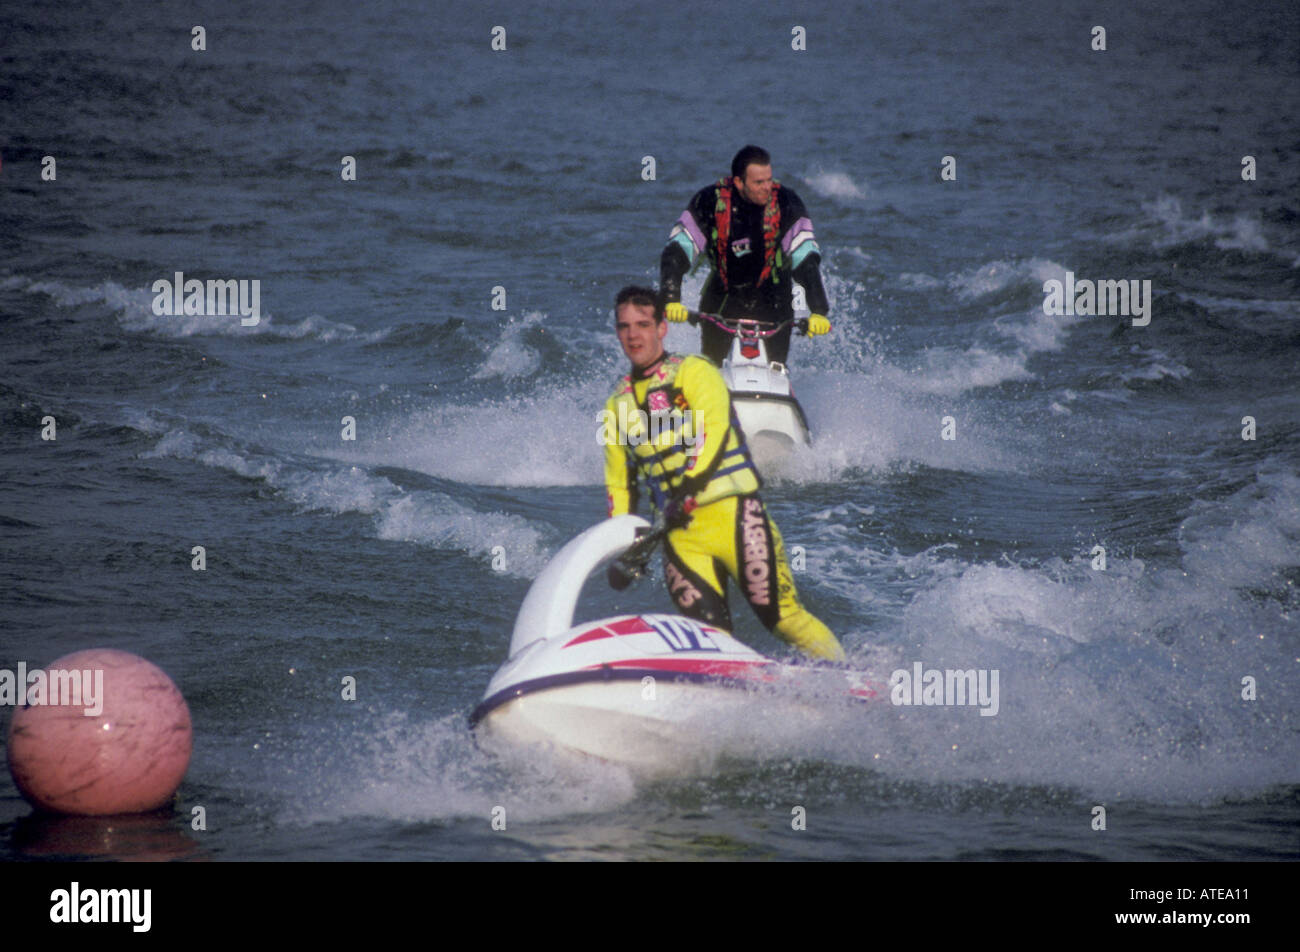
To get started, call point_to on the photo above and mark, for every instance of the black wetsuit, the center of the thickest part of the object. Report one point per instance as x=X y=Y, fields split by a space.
x=796 y=255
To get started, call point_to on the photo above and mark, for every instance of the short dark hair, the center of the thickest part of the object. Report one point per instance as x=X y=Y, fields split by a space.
x=640 y=296
x=749 y=155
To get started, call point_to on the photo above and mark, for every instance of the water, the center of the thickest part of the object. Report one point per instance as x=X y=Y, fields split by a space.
x=475 y=428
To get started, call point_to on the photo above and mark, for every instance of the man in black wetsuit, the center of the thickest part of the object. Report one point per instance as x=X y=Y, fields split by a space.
x=758 y=237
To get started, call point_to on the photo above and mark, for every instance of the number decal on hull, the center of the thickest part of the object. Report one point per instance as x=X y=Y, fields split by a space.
x=681 y=634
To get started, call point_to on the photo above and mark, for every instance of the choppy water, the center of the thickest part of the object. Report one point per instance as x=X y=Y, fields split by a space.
x=475 y=427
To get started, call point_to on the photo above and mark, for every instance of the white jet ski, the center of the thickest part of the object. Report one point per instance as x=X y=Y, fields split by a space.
x=772 y=419
x=657 y=693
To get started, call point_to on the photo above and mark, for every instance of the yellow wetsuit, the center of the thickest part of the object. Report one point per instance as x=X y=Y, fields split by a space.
x=675 y=430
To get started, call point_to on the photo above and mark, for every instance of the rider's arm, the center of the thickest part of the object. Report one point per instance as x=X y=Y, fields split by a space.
x=620 y=478
x=673 y=264
x=620 y=482
x=799 y=246
x=706 y=394
x=810 y=276
x=686 y=241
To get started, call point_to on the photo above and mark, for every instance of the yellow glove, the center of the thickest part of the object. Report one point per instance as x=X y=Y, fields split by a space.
x=818 y=325
x=676 y=312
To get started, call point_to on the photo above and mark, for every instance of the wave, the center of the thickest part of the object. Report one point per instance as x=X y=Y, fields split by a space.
x=425 y=517
x=134 y=309
x=838 y=185
x=1165 y=224
x=1127 y=681
x=411 y=770
x=996 y=276
x=511 y=357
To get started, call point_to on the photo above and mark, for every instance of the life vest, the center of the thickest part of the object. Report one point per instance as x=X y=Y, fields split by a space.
x=663 y=456
x=771 y=232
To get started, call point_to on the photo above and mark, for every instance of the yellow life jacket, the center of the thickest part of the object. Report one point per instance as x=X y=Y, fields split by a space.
x=675 y=429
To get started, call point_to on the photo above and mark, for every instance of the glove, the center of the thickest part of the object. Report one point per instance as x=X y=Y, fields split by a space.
x=676 y=312
x=677 y=514
x=818 y=325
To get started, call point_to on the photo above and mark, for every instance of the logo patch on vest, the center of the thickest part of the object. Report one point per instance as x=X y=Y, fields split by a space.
x=740 y=247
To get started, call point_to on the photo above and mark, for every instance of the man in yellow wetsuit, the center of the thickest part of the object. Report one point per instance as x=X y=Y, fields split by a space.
x=670 y=423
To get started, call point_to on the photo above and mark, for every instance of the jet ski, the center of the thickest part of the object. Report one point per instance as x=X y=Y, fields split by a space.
x=773 y=421
x=657 y=693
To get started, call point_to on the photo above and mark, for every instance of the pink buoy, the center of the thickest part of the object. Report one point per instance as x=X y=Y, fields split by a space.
x=103 y=732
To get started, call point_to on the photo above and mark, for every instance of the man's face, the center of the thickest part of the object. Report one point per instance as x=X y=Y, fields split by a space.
x=756 y=186
x=640 y=334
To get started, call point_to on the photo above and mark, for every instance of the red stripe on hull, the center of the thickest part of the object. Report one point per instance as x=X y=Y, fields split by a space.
x=594 y=635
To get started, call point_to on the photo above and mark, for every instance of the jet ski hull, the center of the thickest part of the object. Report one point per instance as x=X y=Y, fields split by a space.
x=610 y=721
x=771 y=418
x=773 y=424
x=661 y=694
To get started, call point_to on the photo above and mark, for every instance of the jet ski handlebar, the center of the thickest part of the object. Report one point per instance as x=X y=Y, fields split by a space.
x=631 y=565
x=750 y=327
x=639 y=552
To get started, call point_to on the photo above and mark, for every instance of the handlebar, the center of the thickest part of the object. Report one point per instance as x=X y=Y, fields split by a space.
x=640 y=551
x=631 y=565
x=750 y=326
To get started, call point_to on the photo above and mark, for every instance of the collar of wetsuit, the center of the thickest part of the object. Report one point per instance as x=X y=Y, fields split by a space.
x=646 y=372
